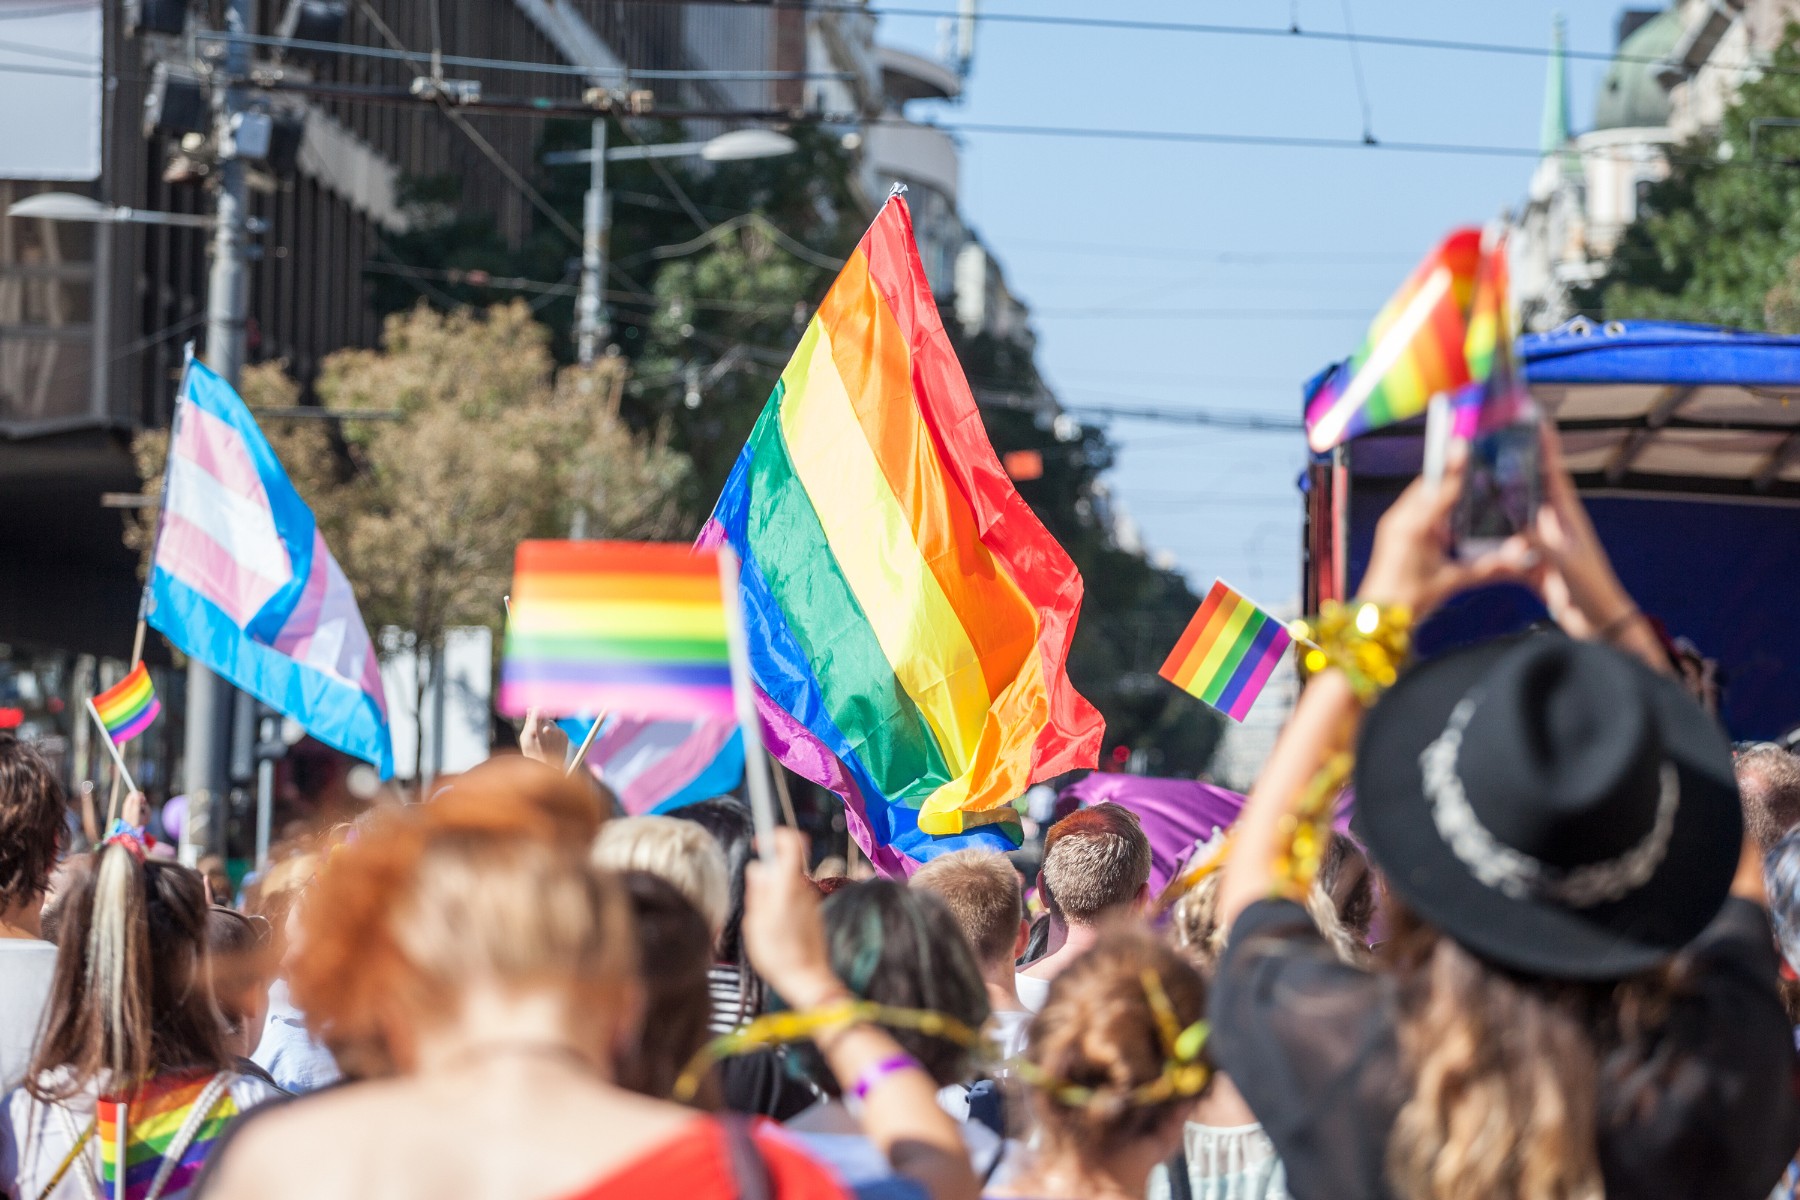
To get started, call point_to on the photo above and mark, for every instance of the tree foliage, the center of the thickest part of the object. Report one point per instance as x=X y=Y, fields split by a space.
x=1717 y=241
x=708 y=311
x=488 y=444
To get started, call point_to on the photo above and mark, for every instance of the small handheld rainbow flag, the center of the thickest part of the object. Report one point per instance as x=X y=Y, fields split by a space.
x=127 y=708
x=616 y=627
x=1227 y=653
x=1416 y=348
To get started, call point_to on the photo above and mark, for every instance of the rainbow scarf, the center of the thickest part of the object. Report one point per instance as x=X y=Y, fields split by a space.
x=1416 y=348
x=909 y=617
x=152 y=1118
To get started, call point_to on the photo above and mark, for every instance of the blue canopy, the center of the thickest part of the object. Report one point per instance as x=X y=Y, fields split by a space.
x=1660 y=352
x=1685 y=442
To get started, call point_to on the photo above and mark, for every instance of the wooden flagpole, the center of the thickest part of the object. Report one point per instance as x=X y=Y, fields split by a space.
x=118 y=759
x=587 y=744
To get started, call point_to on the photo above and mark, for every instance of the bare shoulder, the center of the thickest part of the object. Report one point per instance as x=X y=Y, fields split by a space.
x=299 y=1145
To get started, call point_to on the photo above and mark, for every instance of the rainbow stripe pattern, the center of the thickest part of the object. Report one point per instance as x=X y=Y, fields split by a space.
x=128 y=706
x=616 y=627
x=1227 y=652
x=908 y=616
x=1496 y=396
x=1415 y=349
x=152 y=1118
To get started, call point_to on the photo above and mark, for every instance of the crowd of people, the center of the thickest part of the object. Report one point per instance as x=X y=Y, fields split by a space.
x=1550 y=960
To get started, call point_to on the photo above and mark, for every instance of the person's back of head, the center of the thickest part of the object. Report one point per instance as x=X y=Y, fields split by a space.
x=903 y=949
x=678 y=851
x=237 y=949
x=981 y=890
x=63 y=880
x=32 y=812
x=674 y=944
x=130 y=999
x=1768 y=779
x=483 y=889
x=730 y=824
x=1116 y=1054
x=1098 y=864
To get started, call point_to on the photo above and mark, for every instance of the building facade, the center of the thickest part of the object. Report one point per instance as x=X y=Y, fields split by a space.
x=1674 y=73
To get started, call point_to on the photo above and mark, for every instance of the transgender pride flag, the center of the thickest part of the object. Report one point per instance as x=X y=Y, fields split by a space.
x=241 y=580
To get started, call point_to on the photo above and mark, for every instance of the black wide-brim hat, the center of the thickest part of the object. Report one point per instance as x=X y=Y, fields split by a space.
x=1550 y=766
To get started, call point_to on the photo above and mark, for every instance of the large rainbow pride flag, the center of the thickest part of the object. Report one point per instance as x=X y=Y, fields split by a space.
x=908 y=616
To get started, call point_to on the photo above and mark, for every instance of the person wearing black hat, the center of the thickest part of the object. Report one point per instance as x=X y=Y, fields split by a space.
x=1576 y=996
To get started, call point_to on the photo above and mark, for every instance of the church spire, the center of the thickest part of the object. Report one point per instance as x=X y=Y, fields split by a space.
x=1555 y=133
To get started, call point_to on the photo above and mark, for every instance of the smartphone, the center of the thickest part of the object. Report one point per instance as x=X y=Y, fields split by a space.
x=1501 y=488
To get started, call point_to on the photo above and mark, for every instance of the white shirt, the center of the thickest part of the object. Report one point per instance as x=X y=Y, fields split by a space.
x=26 y=968
x=1033 y=992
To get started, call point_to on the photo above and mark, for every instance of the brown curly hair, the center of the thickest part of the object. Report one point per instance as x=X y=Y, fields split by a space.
x=486 y=881
x=1097 y=1030
x=32 y=811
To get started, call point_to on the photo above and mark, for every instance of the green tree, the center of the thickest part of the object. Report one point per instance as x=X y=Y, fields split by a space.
x=488 y=444
x=1716 y=241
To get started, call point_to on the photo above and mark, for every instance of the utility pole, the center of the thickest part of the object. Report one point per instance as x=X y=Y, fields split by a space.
x=209 y=697
x=590 y=308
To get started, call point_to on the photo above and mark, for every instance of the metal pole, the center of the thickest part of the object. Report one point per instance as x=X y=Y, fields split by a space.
x=590 y=308
x=265 y=791
x=209 y=697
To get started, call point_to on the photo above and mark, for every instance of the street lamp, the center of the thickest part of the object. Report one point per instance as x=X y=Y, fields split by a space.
x=736 y=146
x=69 y=206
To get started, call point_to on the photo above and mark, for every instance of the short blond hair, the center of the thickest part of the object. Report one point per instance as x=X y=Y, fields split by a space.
x=1100 y=861
x=981 y=890
x=679 y=851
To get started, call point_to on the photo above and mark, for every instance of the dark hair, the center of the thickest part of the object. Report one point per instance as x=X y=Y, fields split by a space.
x=1349 y=882
x=70 y=871
x=32 y=812
x=904 y=949
x=1768 y=780
x=674 y=955
x=731 y=825
x=130 y=999
x=237 y=949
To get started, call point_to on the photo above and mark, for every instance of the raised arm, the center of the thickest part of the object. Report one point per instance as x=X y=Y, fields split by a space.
x=1410 y=573
x=784 y=935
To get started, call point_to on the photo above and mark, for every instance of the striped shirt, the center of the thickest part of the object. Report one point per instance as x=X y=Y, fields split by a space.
x=730 y=1007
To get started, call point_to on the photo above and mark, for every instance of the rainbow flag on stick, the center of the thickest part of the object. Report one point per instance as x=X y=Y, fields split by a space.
x=1227 y=653
x=122 y=712
x=1415 y=349
x=616 y=627
x=127 y=708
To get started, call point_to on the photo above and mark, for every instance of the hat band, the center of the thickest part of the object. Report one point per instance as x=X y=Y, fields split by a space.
x=1519 y=875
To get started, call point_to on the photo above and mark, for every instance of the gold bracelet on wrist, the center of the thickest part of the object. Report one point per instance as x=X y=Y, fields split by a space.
x=1367 y=641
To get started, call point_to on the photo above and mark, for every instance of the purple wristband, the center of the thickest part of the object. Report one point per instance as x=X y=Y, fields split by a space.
x=865 y=1083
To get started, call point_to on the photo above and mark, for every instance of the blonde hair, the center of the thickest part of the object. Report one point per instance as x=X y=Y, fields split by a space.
x=1099 y=1034
x=679 y=851
x=981 y=890
x=1194 y=925
x=1503 y=1078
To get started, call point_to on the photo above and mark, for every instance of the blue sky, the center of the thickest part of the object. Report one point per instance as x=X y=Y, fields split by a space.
x=1127 y=226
